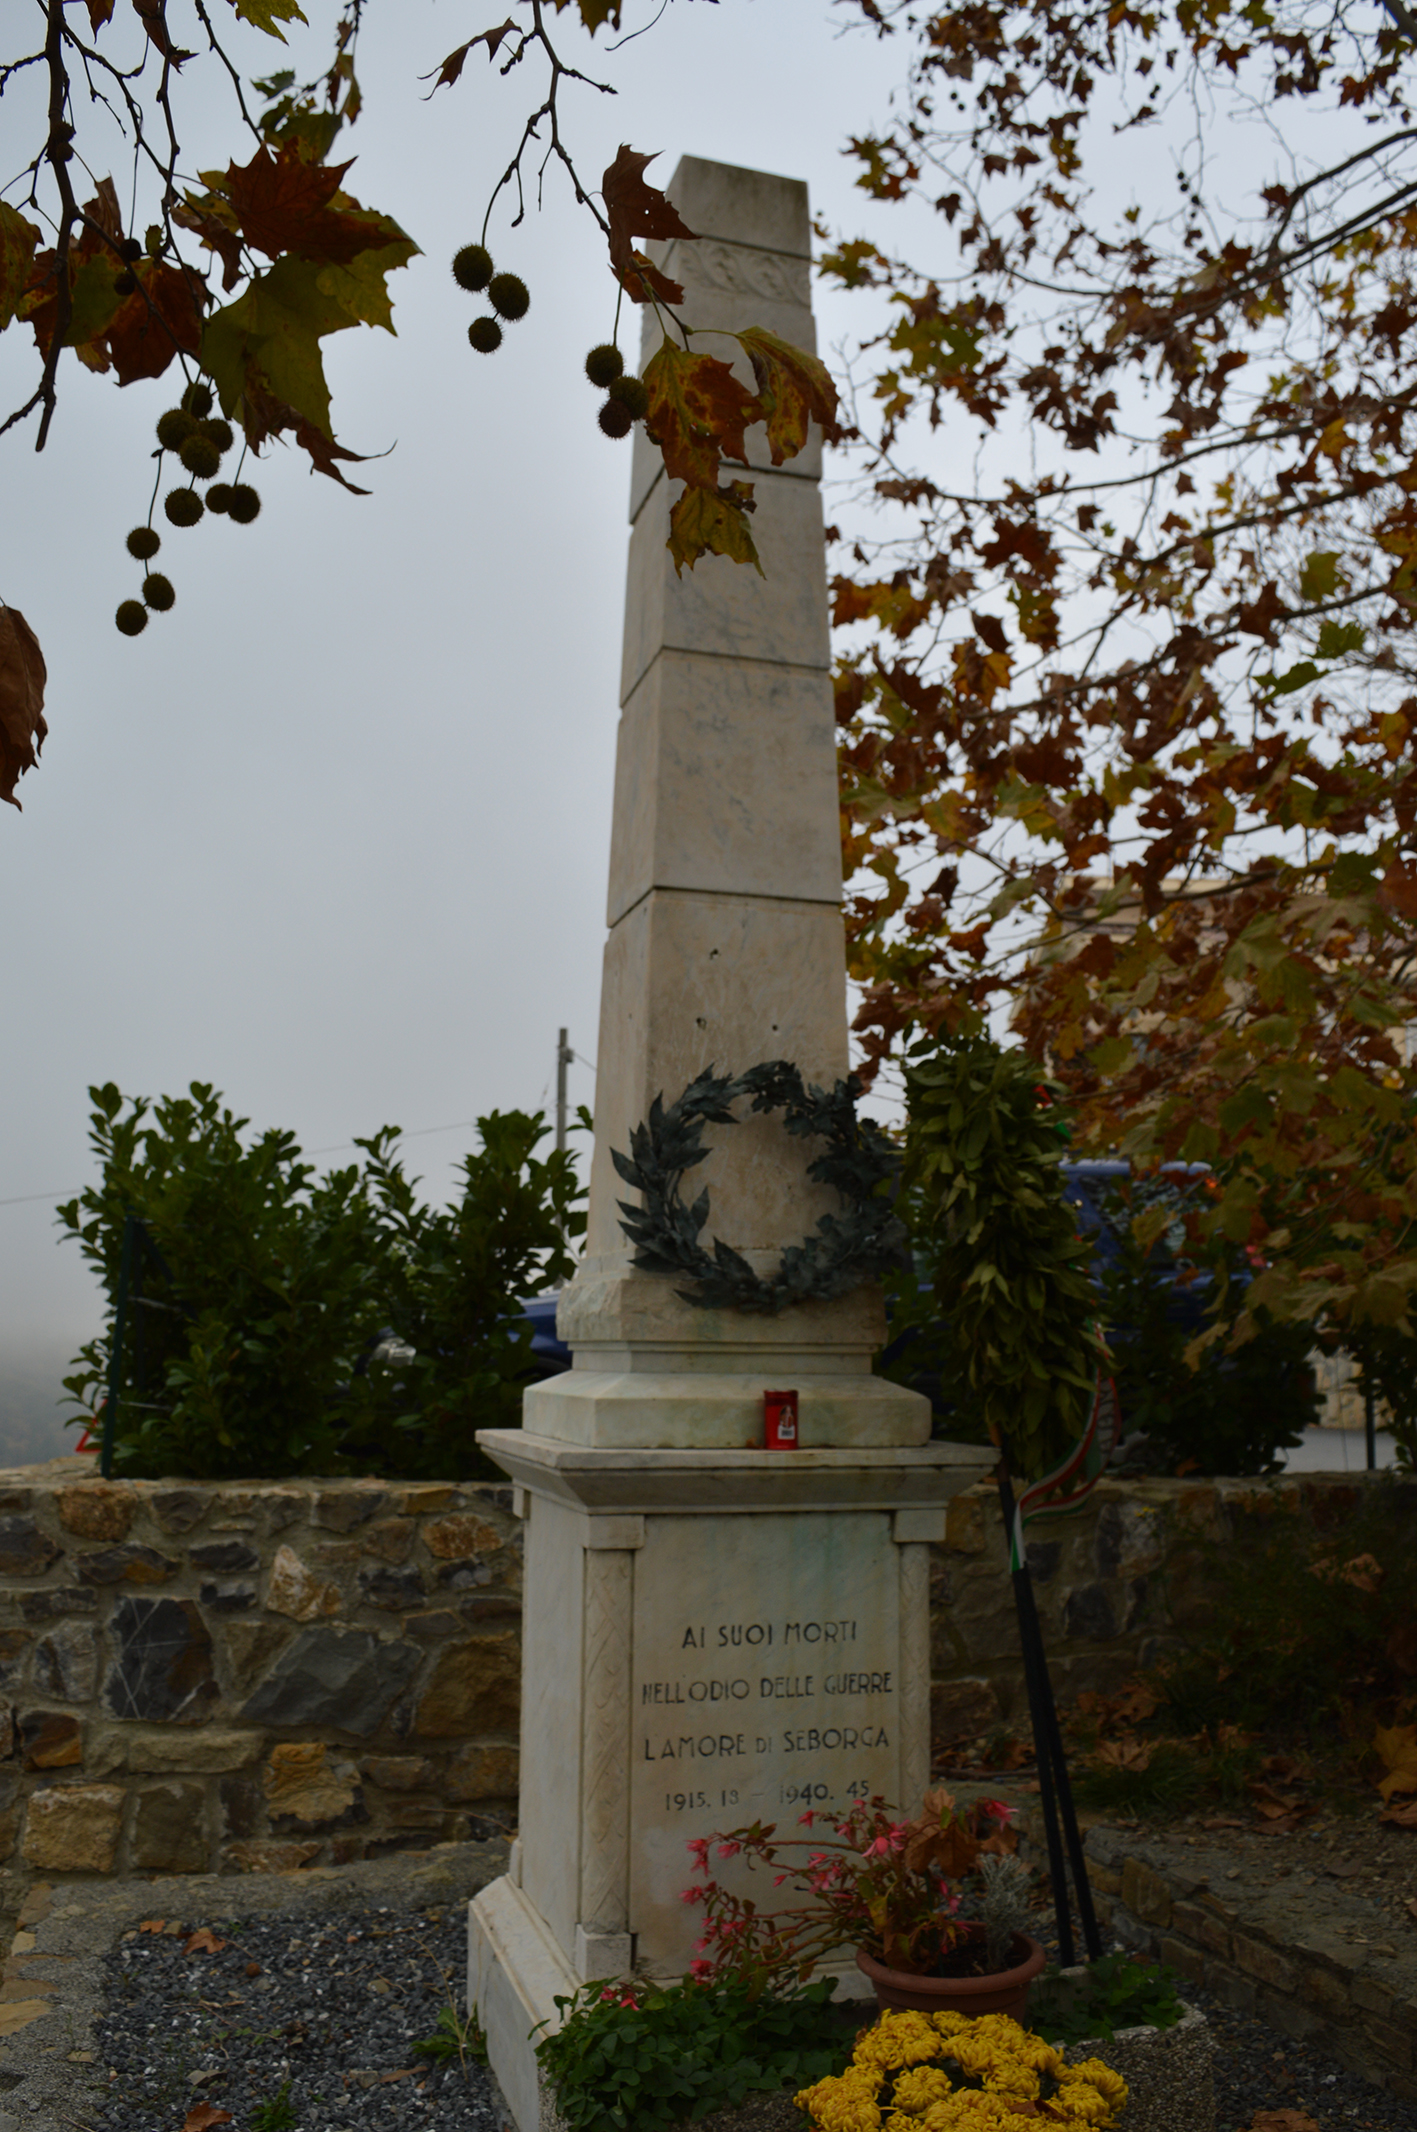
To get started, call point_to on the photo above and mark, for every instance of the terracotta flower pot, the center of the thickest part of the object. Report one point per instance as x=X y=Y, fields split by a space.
x=1006 y=1992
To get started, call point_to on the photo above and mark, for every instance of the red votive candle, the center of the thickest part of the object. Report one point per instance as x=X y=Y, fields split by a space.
x=779 y=1421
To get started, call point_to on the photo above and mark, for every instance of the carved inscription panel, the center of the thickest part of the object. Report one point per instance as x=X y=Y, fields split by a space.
x=765 y=1680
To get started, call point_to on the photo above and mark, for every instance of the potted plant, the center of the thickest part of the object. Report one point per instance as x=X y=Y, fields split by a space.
x=900 y=1892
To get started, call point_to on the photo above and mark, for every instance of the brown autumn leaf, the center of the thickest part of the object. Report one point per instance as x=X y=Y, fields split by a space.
x=1396 y=1748
x=1284 y=2121
x=153 y=1924
x=454 y=63
x=100 y=12
x=698 y=412
x=1128 y=1752
x=218 y=236
x=1363 y=1572
x=636 y=210
x=22 y=679
x=203 y=1941
x=283 y=205
x=161 y=317
x=1402 y=1816
x=203 y=2114
x=794 y=388
x=266 y=416
x=153 y=16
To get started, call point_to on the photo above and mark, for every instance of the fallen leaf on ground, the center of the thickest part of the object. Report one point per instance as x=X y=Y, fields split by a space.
x=203 y=1942
x=1401 y=1816
x=203 y=2114
x=153 y=1924
x=1412 y=1908
x=1284 y=2121
x=1126 y=1753
x=1224 y=1821
x=1396 y=1747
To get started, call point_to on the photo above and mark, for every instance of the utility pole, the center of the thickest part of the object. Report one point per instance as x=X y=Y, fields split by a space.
x=564 y=1056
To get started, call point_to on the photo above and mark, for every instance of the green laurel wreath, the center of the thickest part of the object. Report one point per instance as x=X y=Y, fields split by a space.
x=862 y=1243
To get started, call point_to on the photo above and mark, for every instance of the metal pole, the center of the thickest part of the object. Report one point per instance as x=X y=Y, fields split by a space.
x=115 y=1359
x=564 y=1055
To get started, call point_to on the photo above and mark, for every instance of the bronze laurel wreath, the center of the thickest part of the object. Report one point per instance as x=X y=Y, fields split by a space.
x=861 y=1244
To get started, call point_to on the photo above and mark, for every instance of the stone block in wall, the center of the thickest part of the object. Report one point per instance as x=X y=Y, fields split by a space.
x=130 y=1564
x=1180 y=1955
x=424 y=1498
x=481 y=1773
x=301 y=1784
x=398 y=1772
x=74 y=1829
x=1264 y=1962
x=392 y=1590
x=1146 y=1893
x=96 y=1509
x=241 y=1805
x=14 y=1650
x=180 y=1509
x=1088 y=1614
x=228 y=1597
x=964 y=1523
x=475 y=1687
x=150 y=1752
x=343 y=1679
x=962 y=1709
x=25 y=1551
x=162 y=1667
x=436 y=1626
x=341 y=1509
x=1230 y=1987
x=66 y=1663
x=58 y=1599
x=224 y=1558
x=1128 y=1538
x=167 y=1834
x=461 y=1537
x=296 y=1591
x=50 y=1739
x=387 y=1539
x=251 y=1646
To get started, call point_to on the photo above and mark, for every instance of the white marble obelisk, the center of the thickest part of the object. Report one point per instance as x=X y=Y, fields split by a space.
x=713 y=1632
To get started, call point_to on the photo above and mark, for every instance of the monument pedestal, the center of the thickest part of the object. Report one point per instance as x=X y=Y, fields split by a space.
x=712 y=1637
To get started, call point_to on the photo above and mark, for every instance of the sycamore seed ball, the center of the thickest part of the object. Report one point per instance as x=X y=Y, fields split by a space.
x=143 y=543
x=197 y=399
x=242 y=504
x=183 y=506
x=158 y=592
x=219 y=496
x=131 y=250
x=200 y=457
x=485 y=335
x=472 y=268
x=508 y=295
x=616 y=419
x=604 y=364
x=221 y=433
x=124 y=283
x=631 y=393
x=174 y=428
x=132 y=618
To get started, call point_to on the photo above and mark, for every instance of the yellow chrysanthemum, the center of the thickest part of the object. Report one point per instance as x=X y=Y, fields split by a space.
x=950 y=2023
x=971 y=2111
x=898 y=2039
x=1107 y=2081
x=922 y=2085
x=845 y=2103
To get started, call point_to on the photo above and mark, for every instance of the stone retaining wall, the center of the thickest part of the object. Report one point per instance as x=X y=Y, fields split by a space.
x=249 y=1677
x=1311 y=1965
x=1115 y=1581
x=262 y=1675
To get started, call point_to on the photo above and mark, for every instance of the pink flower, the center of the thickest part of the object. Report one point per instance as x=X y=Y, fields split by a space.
x=698 y=1849
x=701 y=1969
x=806 y=1820
x=729 y=1850
x=691 y=1895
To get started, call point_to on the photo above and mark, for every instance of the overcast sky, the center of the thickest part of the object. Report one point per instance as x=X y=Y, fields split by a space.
x=333 y=834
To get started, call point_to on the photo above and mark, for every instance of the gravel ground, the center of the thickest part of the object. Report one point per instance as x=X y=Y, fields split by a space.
x=324 y=2011
x=290 y=2021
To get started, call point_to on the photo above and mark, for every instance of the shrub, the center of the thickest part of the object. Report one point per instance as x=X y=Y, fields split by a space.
x=266 y=1290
